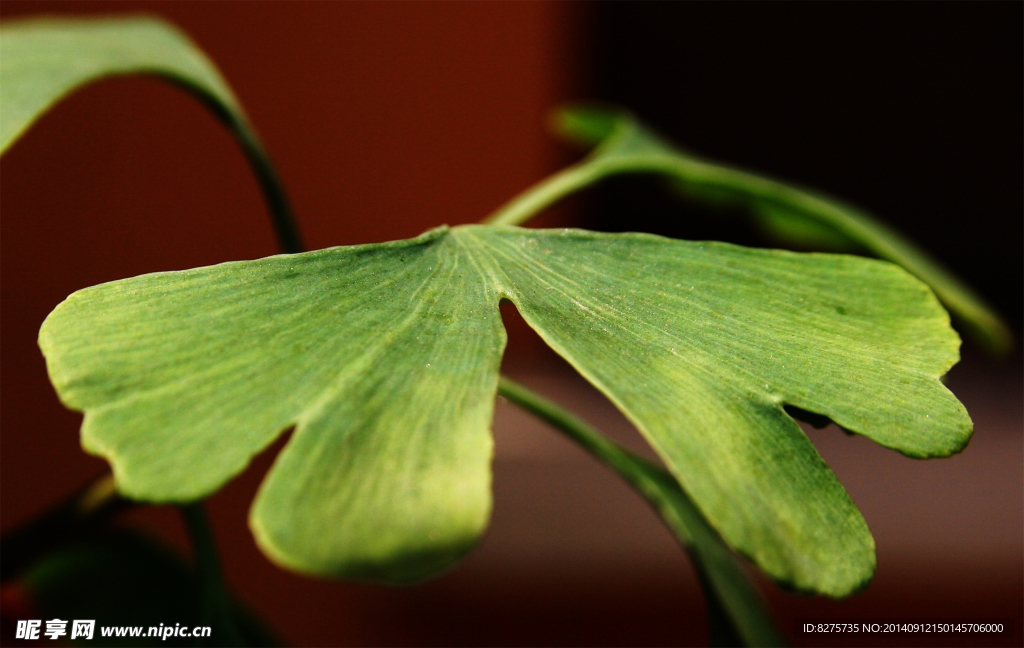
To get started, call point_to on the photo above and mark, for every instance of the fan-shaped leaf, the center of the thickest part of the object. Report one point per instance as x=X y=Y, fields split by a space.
x=385 y=357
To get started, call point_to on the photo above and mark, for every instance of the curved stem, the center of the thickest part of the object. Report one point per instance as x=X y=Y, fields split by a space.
x=734 y=605
x=568 y=181
x=547 y=192
x=289 y=238
x=634 y=469
x=230 y=113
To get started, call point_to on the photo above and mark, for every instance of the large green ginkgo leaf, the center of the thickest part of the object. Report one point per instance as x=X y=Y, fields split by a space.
x=385 y=359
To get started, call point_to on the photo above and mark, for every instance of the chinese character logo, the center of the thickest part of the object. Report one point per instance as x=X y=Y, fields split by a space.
x=56 y=628
x=28 y=629
x=82 y=629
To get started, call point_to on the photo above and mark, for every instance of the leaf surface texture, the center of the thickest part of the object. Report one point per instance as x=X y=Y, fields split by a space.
x=385 y=360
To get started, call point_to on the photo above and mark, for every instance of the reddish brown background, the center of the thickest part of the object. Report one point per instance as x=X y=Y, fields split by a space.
x=385 y=120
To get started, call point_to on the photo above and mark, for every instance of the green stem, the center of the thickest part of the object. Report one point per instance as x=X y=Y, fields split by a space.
x=230 y=112
x=734 y=605
x=564 y=183
x=632 y=468
x=289 y=238
x=549 y=191
x=217 y=608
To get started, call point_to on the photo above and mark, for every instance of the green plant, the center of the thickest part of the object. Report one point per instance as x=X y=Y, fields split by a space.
x=719 y=340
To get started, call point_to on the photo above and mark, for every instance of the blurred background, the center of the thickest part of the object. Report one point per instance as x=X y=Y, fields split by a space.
x=386 y=119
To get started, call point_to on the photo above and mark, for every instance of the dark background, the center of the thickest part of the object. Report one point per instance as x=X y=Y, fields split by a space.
x=388 y=119
x=910 y=110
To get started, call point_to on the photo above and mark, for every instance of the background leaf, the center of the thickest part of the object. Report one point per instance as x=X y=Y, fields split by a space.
x=42 y=60
x=119 y=578
x=385 y=358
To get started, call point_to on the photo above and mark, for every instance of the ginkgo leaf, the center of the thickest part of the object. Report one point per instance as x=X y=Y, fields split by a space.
x=385 y=359
x=44 y=59
x=799 y=216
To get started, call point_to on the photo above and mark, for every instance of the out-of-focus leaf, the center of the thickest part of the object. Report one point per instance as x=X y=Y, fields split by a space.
x=44 y=59
x=797 y=231
x=385 y=357
x=121 y=579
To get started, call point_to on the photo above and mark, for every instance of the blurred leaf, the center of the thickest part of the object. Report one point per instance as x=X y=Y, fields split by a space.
x=121 y=578
x=83 y=512
x=385 y=358
x=586 y=125
x=44 y=59
x=800 y=232
x=795 y=216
